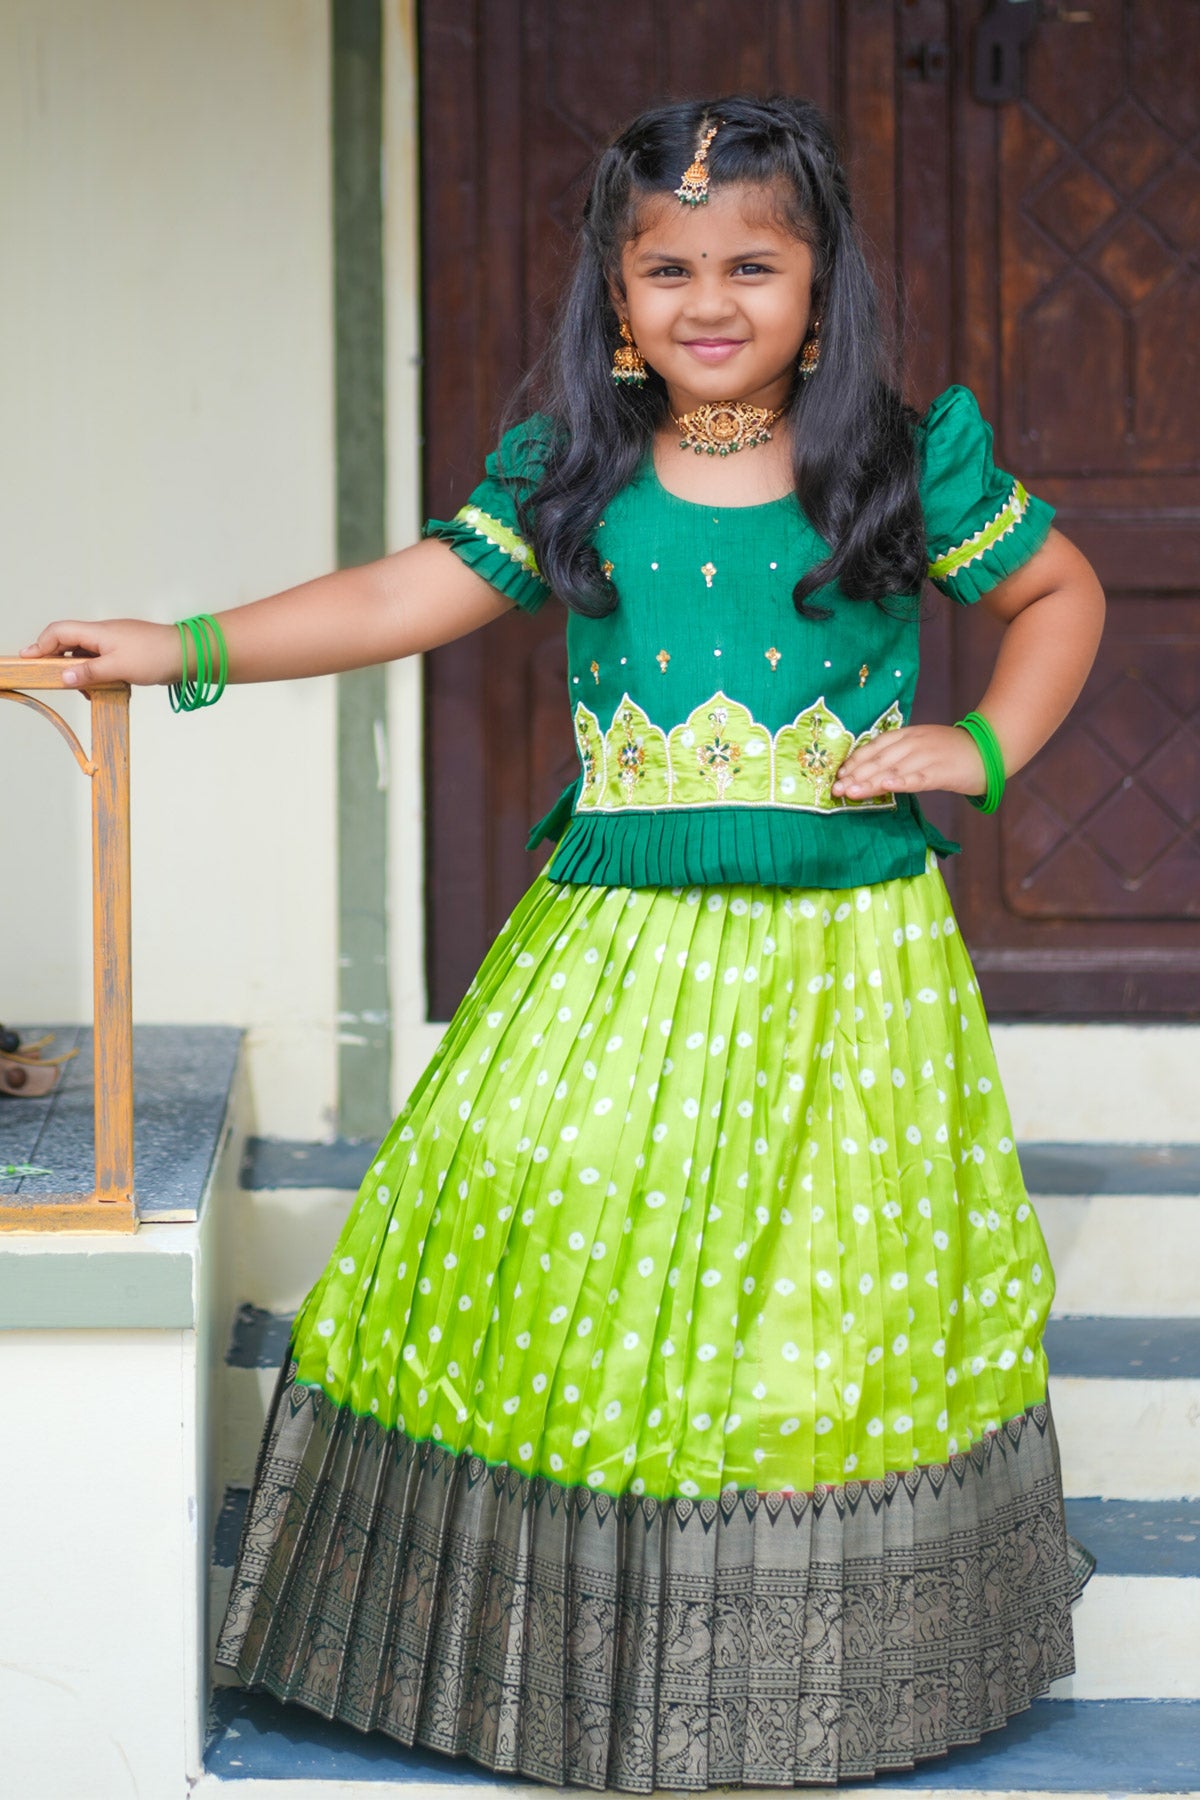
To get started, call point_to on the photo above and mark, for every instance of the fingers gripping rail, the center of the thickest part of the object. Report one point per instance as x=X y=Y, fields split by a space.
x=110 y=1206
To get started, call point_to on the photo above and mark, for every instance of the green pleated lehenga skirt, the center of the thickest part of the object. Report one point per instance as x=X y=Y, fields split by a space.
x=672 y=1411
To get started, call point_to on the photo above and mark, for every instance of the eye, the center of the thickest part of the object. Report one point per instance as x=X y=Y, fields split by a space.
x=668 y=269
x=754 y=268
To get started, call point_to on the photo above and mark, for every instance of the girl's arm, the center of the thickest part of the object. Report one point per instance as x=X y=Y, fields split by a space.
x=409 y=601
x=1053 y=610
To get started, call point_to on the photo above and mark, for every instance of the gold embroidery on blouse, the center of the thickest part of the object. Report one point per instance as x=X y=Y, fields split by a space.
x=774 y=657
x=720 y=755
x=662 y=659
x=708 y=571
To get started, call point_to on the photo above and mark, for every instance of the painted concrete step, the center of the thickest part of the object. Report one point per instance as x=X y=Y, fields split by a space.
x=1101 y=1348
x=1087 y=1748
x=1100 y=1083
x=1124 y=1169
x=1111 y=1349
x=1126 y=1399
x=1049 y=1167
x=1133 y=1440
x=259 y=1338
x=1122 y=1223
x=1139 y=1537
x=1123 y=1255
x=1125 y=1393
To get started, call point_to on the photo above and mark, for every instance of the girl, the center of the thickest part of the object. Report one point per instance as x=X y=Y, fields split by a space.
x=673 y=1409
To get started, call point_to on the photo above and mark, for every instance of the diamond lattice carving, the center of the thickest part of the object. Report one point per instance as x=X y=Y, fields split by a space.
x=1131 y=831
x=1173 y=205
x=1120 y=208
x=1106 y=819
x=1130 y=719
x=1074 y=206
x=1133 y=262
x=1172 y=776
x=1130 y=148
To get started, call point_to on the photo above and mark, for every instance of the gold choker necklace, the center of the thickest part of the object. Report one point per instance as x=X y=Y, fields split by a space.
x=720 y=429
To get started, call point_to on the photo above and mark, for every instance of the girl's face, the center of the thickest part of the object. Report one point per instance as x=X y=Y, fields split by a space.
x=718 y=296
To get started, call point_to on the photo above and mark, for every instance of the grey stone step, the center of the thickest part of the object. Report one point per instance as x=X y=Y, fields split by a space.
x=1118 y=1349
x=1048 y=1168
x=182 y=1075
x=1080 y=1747
x=259 y=1339
x=1113 y=1349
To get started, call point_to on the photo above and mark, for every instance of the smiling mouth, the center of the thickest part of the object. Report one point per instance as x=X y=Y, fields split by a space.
x=713 y=350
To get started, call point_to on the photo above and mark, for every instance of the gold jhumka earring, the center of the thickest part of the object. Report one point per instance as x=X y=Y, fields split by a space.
x=810 y=356
x=629 y=365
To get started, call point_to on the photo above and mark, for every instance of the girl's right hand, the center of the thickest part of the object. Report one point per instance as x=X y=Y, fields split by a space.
x=133 y=650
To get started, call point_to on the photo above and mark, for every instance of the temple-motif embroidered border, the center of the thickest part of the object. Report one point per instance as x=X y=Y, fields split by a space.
x=959 y=555
x=499 y=535
x=476 y=1610
x=720 y=755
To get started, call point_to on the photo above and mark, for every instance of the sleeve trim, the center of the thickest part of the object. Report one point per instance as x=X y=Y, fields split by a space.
x=959 y=555
x=499 y=536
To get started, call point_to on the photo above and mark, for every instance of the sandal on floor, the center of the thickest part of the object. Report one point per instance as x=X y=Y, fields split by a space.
x=25 y=1073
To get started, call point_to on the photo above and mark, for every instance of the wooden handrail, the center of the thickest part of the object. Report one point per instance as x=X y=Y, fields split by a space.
x=110 y=1206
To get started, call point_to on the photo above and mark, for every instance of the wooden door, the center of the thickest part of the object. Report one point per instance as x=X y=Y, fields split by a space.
x=1046 y=250
x=1080 y=228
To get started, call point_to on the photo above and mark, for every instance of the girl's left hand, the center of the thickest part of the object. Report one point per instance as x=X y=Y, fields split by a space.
x=911 y=760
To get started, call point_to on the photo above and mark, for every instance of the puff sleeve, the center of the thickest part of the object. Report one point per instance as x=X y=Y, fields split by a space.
x=980 y=522
x=486 y=532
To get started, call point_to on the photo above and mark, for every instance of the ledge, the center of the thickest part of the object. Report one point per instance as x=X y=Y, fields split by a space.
x=182 y=1075
x=184 y=1084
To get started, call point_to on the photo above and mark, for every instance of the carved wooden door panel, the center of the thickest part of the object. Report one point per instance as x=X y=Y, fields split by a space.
x=1047 y=250
x=1079 y=251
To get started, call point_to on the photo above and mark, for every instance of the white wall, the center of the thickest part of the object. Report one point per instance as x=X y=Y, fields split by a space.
x=98 y=1694
x=166 y=356
x=413 y=1040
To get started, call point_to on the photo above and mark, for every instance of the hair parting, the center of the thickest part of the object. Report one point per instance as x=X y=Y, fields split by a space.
x=854 y=451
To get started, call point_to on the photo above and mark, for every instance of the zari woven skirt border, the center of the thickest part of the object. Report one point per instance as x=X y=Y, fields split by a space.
x=672 y=1412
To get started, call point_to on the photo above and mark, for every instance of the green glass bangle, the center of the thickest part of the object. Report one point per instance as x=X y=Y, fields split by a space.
x=993 y=761
x=202 y=638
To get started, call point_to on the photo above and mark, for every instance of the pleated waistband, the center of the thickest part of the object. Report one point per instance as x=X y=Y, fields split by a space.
x=678 y=847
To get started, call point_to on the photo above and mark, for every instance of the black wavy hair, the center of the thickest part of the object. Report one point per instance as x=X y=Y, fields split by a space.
x=854 y=454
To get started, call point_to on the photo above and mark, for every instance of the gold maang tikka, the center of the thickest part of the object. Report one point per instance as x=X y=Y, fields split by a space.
x=693 y=190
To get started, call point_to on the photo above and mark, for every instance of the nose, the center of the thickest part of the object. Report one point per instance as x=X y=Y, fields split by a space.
x=709 y=301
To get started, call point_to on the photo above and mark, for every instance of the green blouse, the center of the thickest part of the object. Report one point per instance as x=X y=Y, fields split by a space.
x=710 y=719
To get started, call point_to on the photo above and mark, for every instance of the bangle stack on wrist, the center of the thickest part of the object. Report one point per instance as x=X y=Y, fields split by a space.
x=993 y=761
x=201 y=641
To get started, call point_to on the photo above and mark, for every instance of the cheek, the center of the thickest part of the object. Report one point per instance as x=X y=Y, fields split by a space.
x=651 y=315
x=784 y=327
